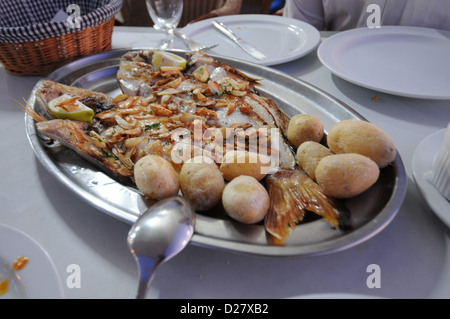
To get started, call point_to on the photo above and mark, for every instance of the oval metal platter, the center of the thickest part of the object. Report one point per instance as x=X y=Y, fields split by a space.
x=370 y=211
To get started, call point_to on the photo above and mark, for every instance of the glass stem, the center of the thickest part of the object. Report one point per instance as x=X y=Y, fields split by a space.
x=169 y=36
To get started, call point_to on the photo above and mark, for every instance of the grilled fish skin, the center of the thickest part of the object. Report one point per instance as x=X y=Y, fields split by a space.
x=80 y=137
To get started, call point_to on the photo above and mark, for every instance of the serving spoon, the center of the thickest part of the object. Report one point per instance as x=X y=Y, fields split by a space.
x=159 y=234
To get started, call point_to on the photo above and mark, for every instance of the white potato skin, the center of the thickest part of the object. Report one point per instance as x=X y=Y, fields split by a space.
x=245 y=200
x=308 y=156
x=346 y=175
x=236 y=163
x=355 y=136
x=201 y=183
x=303 y=128
x=156 y=178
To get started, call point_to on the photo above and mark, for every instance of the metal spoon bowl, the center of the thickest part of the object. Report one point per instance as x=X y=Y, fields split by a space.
x=159 y=234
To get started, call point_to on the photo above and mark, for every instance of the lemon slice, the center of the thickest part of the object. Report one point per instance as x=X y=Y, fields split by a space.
x=161 y=60
x=68 y=107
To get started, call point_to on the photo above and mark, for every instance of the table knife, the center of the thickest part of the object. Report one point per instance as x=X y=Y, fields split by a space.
x=241 y=43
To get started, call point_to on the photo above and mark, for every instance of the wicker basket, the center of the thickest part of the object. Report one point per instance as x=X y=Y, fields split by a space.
x=39 y=48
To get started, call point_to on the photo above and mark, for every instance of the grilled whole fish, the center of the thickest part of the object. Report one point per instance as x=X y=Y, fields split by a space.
x=174 y=110
x=176 y=114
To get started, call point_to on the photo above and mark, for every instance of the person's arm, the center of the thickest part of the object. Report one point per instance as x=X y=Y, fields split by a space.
x=310 y=11
x=229 y=7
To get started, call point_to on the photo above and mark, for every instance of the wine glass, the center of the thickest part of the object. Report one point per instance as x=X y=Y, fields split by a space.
x=166 y=15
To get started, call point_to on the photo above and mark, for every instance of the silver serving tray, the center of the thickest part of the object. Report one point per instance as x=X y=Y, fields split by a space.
x=370 y=212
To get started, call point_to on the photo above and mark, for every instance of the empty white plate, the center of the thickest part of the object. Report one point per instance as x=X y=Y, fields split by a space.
x=280 y=39
x=405 y=61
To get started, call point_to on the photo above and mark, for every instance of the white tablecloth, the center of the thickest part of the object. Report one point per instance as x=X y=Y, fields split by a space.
x=413 y=252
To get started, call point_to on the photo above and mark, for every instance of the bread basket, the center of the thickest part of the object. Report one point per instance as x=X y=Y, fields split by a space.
x=38 y=36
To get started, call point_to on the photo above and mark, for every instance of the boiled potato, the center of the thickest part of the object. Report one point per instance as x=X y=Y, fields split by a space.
x=201 y=183
x=308 y=156
x=346 y=175
x=304 y=127
x=245 y=200
x=236 y=163
x=155 y=177
x=354 y=136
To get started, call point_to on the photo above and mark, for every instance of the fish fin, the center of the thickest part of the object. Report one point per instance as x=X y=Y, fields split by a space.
x=286 y=209
x=30 y=111
x=293 y=193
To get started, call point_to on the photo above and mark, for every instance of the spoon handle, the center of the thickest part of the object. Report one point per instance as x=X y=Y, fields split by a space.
x=147 y=267
x=143 y=288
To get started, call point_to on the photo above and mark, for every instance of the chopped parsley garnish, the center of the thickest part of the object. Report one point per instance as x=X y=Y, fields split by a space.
x=219 y=94
x=152 y=126
x=105 y=154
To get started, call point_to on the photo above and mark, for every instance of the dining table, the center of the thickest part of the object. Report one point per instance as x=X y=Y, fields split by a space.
x=88 y=249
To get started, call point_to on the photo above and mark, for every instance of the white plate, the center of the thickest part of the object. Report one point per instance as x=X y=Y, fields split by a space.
x=280 y=39
x=422 y=163
x=405 y=61
x=39 y=278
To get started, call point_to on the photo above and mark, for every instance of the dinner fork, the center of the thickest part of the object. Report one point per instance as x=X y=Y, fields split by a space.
x=194 y=45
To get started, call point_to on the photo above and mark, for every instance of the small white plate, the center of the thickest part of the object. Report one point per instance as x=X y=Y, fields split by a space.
x=280 y=39
x=405 y=61
x=39 y=278
x=422 y=163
